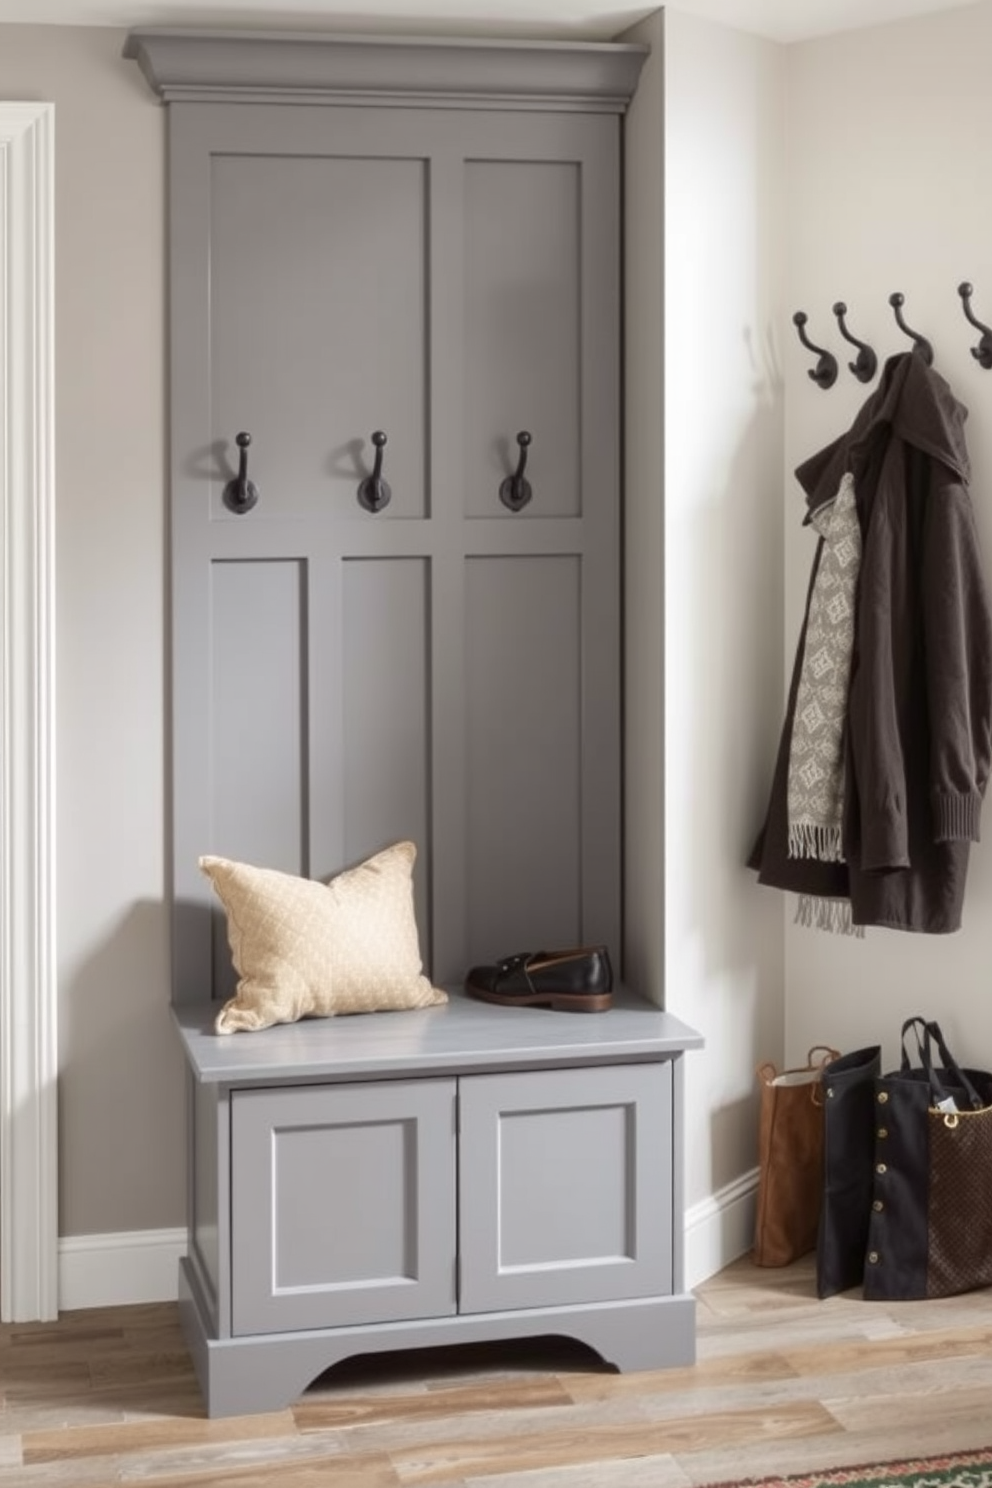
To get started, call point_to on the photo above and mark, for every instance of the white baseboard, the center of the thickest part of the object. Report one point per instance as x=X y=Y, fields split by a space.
x=720 y=1228
x=116 y=1270
x=143 y=1265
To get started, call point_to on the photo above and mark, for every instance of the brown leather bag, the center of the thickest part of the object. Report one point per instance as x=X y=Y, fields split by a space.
x=790 y=1159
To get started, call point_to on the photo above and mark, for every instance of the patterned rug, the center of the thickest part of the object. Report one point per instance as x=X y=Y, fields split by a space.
x=954 y=1470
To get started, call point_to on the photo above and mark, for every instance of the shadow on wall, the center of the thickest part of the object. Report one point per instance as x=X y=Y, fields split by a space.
x=121 y=1168
x=736 y=695
x=728 y=1121
x=725 y=711
x=202 y=942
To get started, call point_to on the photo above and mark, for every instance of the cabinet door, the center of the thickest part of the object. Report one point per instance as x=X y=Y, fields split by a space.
x=565 y=1186
x=342 y=1205
x=445 y=669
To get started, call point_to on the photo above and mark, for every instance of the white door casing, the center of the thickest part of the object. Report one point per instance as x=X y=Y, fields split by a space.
x=28 y=978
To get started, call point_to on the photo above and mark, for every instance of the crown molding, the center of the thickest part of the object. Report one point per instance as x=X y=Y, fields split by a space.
x=188 y=65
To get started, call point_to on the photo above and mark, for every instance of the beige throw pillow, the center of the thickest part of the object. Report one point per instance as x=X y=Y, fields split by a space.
x=307 y=949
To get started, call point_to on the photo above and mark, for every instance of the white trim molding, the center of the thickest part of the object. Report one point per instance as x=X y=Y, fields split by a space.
x=28 y=980
x=120 y=1269
x=720 y=1228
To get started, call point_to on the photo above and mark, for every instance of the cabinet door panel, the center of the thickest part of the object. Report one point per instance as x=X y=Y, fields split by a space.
x=342 y=1205
x=565 y=1185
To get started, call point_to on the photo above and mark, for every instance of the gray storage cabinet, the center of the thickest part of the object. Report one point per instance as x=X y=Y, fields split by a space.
x=419 y=237
x=453 y=1174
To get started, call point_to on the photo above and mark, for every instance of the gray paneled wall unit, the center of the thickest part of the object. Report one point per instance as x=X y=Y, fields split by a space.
x=419 y=237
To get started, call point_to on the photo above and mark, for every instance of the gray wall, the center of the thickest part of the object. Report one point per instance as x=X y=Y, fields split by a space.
x=121 y=1079
x=716 y=685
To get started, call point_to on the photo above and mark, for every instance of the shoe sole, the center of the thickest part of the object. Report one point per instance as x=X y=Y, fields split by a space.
x=559 y=1002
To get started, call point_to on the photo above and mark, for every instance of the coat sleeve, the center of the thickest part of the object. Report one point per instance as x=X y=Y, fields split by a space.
x=957 y=620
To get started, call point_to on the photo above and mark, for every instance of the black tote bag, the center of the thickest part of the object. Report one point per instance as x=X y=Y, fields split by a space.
x=930 y=1228
x=848 y=1169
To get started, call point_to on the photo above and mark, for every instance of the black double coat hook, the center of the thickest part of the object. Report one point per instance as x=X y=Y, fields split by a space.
x=983 y=351
x=824 y=374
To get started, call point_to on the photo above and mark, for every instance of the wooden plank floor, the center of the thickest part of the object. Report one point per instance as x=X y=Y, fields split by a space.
x=783 y=1383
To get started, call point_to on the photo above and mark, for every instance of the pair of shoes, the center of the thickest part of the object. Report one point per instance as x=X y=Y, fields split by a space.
x=579 y=981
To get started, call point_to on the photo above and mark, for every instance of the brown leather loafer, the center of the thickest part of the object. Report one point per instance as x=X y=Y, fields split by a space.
x=579 y=981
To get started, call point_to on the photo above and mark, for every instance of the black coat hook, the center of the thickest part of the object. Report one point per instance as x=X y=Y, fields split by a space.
x=921 y=344
x=824 y=374
x=515 y=491
x=373 y=492
x=866 y=364
x=241 y=494
x=983 y=351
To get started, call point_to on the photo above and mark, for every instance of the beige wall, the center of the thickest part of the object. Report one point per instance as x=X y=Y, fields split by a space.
x=714 y=687
x=121 y=1117
x=791 y=177
x=723 y=568
x=890 y=134
x=705 y=564
x=880 y=188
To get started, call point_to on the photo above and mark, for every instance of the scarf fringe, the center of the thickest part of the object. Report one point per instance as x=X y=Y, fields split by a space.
x=833 y=915
x=806 y=840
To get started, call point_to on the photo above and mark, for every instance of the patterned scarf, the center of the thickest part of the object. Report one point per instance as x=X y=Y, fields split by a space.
x=816 y=750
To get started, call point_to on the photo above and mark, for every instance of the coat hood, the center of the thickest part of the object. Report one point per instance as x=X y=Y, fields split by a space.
x=912 y=402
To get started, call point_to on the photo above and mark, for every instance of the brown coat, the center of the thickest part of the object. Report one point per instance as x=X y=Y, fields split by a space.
x=919 y=721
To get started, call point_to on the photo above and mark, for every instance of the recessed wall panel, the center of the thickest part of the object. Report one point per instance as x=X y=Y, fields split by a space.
x=256 y=733
x=385 y=710
x=317 y=327
x=523 y=751
x=522 y=332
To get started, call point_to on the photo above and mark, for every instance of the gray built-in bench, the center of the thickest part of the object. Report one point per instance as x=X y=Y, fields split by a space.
x=419 y=237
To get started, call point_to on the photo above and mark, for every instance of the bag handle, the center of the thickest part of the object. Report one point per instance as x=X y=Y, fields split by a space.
x=766 y=1072
x=768 y=1075
x=948 y=1062
x=928 y=1033
x=916 y=1024
x=923 y=1033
